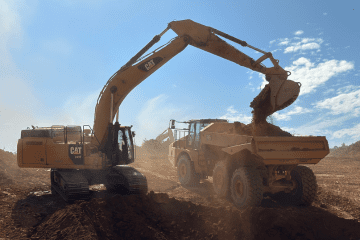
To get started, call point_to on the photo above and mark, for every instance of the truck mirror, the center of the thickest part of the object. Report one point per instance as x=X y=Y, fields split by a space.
x=172 y=124
x=133 y=134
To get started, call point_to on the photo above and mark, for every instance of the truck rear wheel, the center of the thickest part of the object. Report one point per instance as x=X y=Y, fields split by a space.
x=186 y=172
x=246 y=188
x=221 y=180
x=305 y=192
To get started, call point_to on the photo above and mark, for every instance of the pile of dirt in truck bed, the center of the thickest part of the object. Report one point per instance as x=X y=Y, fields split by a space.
x=156 y=216
x=260 y=129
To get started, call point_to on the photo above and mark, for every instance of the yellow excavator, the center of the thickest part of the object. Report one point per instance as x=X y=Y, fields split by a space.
x=80 y=156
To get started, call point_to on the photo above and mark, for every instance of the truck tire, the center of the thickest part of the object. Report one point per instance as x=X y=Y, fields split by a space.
x=186 y=172
x=305 y=192
x=221 y=180
x=246 y=188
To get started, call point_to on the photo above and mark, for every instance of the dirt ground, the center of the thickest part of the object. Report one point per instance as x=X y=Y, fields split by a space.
x=170 y=211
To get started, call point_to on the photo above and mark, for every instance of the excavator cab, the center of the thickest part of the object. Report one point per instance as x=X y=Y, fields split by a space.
x=126 y=145
x=119 y=147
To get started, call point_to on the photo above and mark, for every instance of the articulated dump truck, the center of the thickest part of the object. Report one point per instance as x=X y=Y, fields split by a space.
x=245 y=168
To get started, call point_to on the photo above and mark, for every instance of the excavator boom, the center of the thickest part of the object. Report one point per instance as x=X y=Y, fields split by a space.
x=278 y=94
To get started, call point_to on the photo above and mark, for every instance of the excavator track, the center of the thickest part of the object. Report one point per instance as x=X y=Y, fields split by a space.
x=126 y=179
x=71 y=185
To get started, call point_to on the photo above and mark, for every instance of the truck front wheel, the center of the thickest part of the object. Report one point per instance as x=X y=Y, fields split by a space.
x=186 y=172
x=221 y=180
x=246 y=188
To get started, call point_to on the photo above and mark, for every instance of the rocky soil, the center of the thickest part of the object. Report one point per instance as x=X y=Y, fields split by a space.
x=170 y=211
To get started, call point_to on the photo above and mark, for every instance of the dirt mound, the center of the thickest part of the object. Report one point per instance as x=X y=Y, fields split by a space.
x=152 y=149
x=352 y=150
x=10 y=173
x=156 y=216
x=7 y=167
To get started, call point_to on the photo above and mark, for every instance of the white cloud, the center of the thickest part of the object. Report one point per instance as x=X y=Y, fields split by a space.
x=19 y=107
x=312 y=76
x=287 y=116
x=347 y=89
x=302 y=47
x=17 y=101
x=342 y=104
x=10 y=26
x=306 y=40
x=285 y=42
x=330 y=90
x=77 y=110
x=324 y=13
x=301 y=44
x=234 y=115
x=154 y=118
x=289 y=130
x=353 y=132
x=319 y=126
x=299 y=32
x=272 y=41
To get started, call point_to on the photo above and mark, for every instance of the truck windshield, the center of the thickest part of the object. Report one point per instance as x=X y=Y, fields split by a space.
x=203 y=125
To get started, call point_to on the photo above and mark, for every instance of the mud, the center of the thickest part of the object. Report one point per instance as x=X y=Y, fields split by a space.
x=157 y=216
x=29 y=211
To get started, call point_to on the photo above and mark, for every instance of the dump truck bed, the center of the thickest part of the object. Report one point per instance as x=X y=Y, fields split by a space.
x=294 y=150
x=273 y=150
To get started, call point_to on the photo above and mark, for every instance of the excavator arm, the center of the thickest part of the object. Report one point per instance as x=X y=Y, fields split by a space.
x=276 y=95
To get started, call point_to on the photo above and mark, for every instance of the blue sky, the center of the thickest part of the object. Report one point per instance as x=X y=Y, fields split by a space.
x=55 y=57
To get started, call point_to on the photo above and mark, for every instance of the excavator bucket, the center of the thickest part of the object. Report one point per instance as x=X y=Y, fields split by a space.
x=276 y=95
x=285 y=95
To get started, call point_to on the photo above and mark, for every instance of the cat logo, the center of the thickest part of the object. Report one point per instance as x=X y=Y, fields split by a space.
x=148 y=65
x=75 y=154
x=75 y=150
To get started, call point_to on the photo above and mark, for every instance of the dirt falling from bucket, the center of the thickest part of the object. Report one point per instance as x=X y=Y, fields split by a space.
x=262 y=108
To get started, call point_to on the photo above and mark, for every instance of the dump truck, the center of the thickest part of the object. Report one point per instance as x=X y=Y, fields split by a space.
x=245 y=168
